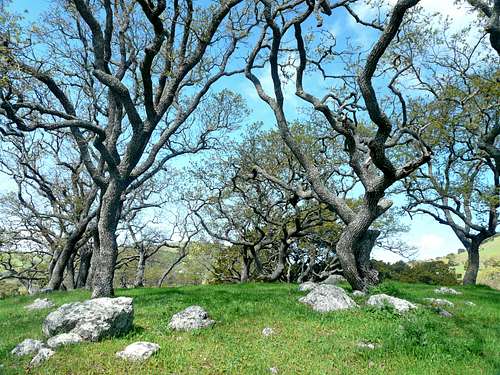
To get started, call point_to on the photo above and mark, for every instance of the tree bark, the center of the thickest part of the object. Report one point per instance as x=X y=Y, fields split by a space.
x=245 y=269
x=470 y=276
x=57 y=275
x=69 y=280
x=83 y=270
x=141 y=267
x=105 y=261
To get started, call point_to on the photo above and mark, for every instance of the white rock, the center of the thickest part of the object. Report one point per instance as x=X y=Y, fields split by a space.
x=42 y=355
x=40 y=303
x=325 y=298
x=381 y=300
x=28 y=346
x=439 y=302
x=307 y=286
x=445 y=290
x=268 y=331
x=138 y=351
x=445 y=314
x=469 y=303
x=273 y=370
x=93 y=319
x=366 y=345
x=63 y=339
x=193 y=317
x=358 y=293
x=334 y=280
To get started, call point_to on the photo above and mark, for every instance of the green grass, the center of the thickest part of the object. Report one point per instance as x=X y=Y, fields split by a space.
x=305 y=342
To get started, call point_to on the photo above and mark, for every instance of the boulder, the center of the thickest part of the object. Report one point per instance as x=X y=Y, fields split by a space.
x=307 y=286
x=63 y=339
x=439 y=302
x=325 y=298
x=28 y=346
x=42 y=355
x=193 y=317
x=334 y=280
x=92 y=320
x=138 y=351
x=358 y=293
x=39 y=304
x=445 y=314
x=381 y=300
x=268 y=331
x=445 y=290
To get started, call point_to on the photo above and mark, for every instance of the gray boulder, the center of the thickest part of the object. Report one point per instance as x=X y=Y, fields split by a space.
x=445 y=314
x=446 y=290
x=326 y=298
x=39 y=304
x=193 y=317
x=334 y=280
x=63 y=339
x=42 y=355
x=28 y=346
x=400 y=305
x=439 y=302
x=93 y=319
x=138 y=351
x=358 y=293
x=307 y=286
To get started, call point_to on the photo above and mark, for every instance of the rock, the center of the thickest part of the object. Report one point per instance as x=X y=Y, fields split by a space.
x=268 y=331
x=325 y=298
x=40 y=303
x=445 y=314
x=92 y=320
x=42 y=355
x=366 y=345
x=333 y=280
x=307 y=286
x=138 y=351
x=381 y=300
x=28 y=346
x=445 y=290
x=63 y=339
x=358 y=293
x=273 y=370
x=439 y=302
x=193 y=317
x=469 y=303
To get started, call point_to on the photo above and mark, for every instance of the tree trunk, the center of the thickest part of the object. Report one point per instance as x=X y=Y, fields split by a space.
x=245 y=269
x=305 y=273
x=83 y=270
x=69 y=280
x=141 y=267
x=95 y=250
x=363 y=251
x=105 y=261
x=57 y=275
x=470 y=275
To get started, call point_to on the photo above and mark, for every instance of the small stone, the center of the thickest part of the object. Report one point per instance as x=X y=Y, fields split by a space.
x=268 y=331
x=28 y=346
x=469 y=303
x=63 y=339
x=371 y=364
x=445 y=290
x=273 y=370
x=138 y=351
x=400 y=305
x=326 y=298
x=334 y=280
x=366 y=345
x=307 y=286
x=42 y=356
x=193 y=317
x=445 y=314
x=439 y=302
x=39 y=304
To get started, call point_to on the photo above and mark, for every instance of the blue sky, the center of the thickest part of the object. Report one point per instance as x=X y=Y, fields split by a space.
x=431 y=238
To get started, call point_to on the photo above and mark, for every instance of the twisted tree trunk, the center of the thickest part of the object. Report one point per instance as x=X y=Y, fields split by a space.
x=470 y=276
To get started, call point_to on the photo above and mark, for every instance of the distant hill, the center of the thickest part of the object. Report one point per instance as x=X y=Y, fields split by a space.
x=489 y=257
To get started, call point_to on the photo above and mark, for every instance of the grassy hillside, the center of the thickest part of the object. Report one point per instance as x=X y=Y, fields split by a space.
x=305 y=342
x=489 y=270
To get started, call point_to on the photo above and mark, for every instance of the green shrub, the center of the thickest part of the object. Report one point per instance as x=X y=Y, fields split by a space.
x=430 y=272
